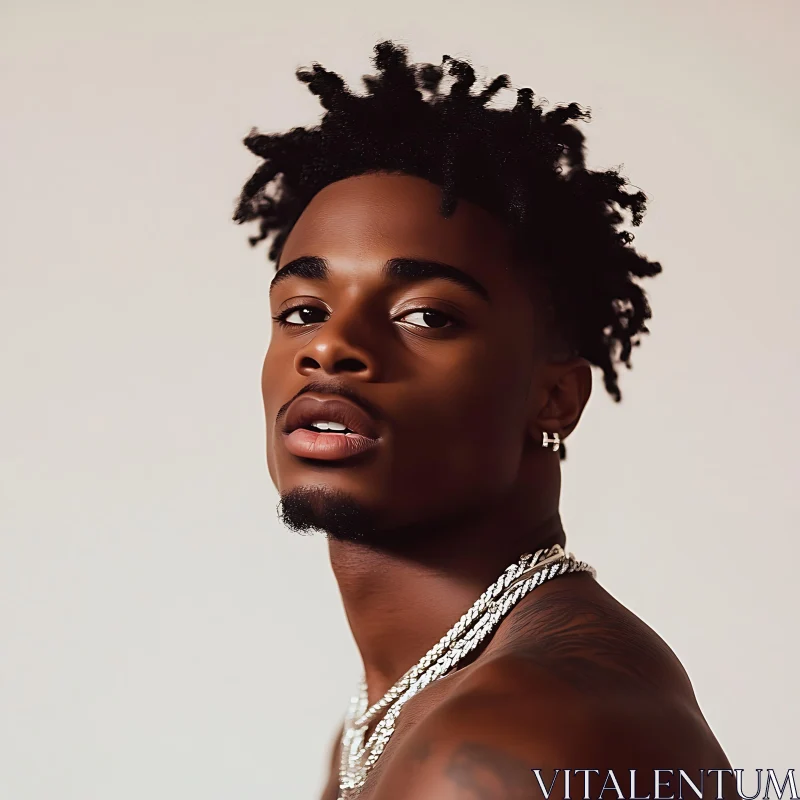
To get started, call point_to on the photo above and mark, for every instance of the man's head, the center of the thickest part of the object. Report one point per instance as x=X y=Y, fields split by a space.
x=439 y=270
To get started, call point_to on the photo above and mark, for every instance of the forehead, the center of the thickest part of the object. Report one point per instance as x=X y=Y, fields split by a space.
x=369 y=219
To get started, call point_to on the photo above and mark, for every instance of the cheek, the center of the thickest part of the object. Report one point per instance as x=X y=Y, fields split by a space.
x=277 y=373
x=271 y=398
x=467 y=433
x=490 y=397
x=271 y=452
x=488 y=443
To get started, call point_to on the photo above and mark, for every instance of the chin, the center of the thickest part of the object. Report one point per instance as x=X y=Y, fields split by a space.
x=335 y=512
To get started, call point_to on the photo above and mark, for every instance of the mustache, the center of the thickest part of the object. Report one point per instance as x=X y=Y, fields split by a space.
x=333 y=388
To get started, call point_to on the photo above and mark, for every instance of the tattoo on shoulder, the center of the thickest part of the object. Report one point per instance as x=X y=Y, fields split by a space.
x=480 y=772
x=587 y=643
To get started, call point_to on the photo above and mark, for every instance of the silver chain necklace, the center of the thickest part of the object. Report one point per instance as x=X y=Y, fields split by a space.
x=359 y=756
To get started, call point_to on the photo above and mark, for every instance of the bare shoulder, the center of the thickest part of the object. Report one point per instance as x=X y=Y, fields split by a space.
x=495 y=738
x=576 y=681
x=578 y=633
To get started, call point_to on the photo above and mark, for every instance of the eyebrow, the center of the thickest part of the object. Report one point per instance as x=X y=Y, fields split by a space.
x=405 y=270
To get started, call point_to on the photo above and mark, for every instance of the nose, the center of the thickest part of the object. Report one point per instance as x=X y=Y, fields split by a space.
x=337 y=348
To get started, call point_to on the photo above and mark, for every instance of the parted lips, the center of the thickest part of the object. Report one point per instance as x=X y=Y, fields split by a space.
x=309 y=408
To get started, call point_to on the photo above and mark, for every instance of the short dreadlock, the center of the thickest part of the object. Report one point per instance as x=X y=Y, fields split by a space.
x=524 y=164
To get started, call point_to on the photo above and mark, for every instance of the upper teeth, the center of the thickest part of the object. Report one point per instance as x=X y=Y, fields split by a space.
x=329 y=426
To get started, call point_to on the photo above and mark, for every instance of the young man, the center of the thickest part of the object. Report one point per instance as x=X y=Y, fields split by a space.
x=447 y=275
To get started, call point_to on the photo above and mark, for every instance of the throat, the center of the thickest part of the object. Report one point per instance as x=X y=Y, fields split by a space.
x=399 y=604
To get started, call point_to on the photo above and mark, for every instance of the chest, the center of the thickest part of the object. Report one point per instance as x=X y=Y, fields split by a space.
x=404 y=739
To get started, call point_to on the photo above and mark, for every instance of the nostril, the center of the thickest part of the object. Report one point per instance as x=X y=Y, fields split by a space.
x=351 y=365
x=309 y=363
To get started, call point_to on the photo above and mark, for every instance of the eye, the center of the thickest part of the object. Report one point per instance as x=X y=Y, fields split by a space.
x=427 y=318
x=301 y=315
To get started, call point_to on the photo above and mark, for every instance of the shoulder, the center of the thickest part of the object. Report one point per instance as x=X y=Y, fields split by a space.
x=582 y=636
x=576 y=681
x=491 y=736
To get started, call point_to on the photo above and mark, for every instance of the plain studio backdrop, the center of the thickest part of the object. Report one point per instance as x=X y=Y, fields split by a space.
x=162 y=635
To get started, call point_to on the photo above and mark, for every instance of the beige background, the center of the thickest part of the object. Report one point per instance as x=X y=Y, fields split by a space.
x=162 y=636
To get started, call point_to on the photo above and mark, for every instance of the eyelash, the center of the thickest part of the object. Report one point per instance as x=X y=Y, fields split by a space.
x=280 y=318
x=287 y=312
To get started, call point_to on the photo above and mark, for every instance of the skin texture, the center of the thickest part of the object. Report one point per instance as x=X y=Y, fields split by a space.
x=458 y=487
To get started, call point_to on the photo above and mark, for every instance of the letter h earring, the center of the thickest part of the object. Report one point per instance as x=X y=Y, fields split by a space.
x=547 y=441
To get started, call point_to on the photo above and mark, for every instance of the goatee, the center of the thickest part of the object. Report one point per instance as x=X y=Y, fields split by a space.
x=335 y=513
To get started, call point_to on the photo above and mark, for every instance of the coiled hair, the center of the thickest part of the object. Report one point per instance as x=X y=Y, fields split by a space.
x=523 y=163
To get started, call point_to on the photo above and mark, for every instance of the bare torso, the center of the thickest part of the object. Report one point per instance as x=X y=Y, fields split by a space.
x=567 y=647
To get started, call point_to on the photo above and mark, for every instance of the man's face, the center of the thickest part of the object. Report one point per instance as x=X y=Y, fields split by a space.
x=422 y=320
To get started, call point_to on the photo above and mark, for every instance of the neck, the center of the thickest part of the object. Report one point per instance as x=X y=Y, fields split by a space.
x=402 y=598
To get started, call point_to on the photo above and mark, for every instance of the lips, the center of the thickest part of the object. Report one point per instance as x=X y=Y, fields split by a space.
x=301 y=441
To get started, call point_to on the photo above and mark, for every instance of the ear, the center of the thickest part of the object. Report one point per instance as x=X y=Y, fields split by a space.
x=564 y=390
